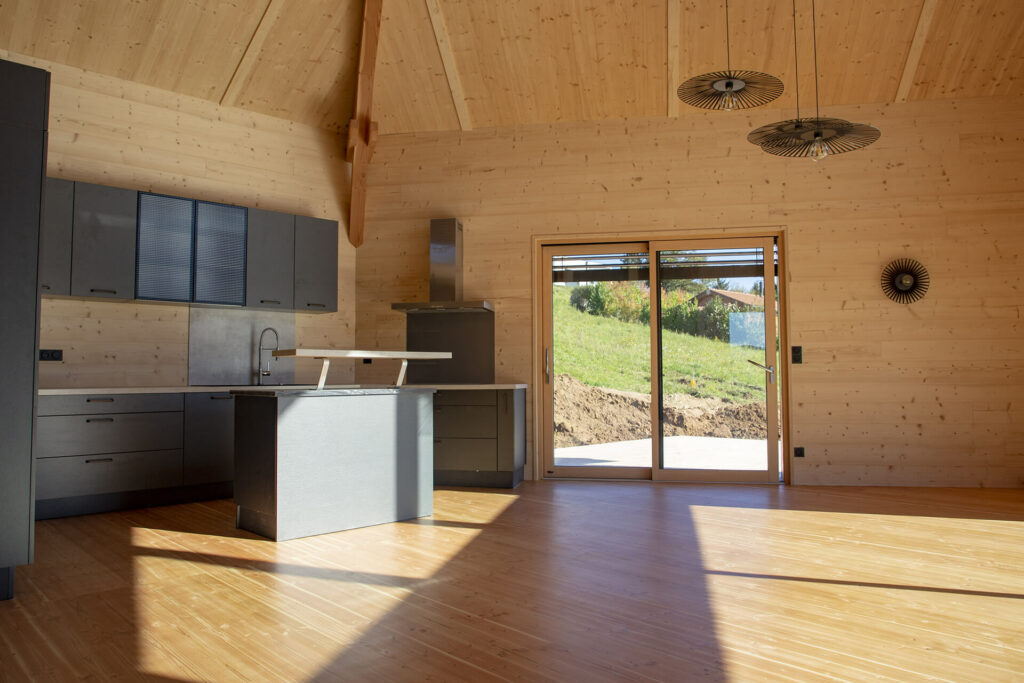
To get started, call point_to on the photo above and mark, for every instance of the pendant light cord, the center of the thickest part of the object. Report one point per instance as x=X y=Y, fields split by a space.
x=814 y=32
x=796 y=64
x=728 y=48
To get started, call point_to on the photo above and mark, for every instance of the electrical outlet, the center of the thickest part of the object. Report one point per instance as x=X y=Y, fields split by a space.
x=51 y=354
x=798 y=452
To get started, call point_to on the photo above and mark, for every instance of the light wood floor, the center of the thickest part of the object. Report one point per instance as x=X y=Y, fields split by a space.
x=567 y=581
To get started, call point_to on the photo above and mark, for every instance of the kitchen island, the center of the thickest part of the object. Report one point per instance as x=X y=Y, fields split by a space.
x=315 y=462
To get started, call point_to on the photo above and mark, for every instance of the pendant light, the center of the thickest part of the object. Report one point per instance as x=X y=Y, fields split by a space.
x=728 y=90
x=815 y=137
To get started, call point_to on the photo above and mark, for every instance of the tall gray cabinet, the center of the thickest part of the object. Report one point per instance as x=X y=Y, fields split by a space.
x=23 y=122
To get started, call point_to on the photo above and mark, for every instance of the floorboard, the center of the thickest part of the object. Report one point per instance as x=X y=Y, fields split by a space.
x=556 y=581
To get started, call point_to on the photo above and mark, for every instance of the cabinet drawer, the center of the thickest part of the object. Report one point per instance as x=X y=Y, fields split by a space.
x=469 y=422
x=82 y=404
x=466 y=454
x=458 y=397
x=107 y=473
x=60 y=435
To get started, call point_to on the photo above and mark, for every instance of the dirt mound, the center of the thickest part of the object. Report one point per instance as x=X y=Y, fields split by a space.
x=588 y=415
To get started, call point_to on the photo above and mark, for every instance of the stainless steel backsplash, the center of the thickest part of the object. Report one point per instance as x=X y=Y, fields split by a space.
x=223 y=344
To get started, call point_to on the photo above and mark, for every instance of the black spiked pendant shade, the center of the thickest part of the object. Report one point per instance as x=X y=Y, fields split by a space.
x=813 y=137
x=730 y=90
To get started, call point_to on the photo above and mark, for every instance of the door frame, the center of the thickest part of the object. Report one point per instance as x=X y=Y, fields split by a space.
x=540 y=429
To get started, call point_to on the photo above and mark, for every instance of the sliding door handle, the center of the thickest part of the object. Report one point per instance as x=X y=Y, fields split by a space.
x=770 y=369
x=547 y=366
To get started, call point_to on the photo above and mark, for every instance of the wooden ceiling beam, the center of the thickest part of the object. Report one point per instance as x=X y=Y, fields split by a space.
x=451 y=71
x=924 y=22
x=361 y=129
x=252 y=52
x=672 y=56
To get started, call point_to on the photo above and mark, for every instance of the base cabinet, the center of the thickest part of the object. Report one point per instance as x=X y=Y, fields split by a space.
x=104 y=452
x=479 y=437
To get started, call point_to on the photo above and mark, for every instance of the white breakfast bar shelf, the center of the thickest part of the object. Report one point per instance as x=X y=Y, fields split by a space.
x=326 y=355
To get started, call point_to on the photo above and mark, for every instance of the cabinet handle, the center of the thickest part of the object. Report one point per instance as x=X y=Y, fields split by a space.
x=44 y=286
x=99 y=400
x=437 y=440
x=270 y=301
x=103 y=291
x=317 y=305
x=221 y=398
x=99 y=419
x=89 y=462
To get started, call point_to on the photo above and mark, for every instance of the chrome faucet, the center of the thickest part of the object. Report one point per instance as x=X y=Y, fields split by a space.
x=260 y=372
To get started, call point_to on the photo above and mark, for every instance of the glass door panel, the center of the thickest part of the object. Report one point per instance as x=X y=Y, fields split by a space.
x=717 y=356
x=597 y=361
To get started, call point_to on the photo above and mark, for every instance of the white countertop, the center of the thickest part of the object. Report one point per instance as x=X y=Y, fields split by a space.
x=248 y=387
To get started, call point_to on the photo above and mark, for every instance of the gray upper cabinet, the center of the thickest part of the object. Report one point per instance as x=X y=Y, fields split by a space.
x=316 y=264
x=209 y=438
x=270 y=260
x=55 y=237
x=103 y=241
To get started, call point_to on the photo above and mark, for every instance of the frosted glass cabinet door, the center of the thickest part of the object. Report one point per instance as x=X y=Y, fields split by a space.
x=163 y=269
x=220 y=254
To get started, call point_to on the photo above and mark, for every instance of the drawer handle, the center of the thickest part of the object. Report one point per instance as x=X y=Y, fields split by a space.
x=270 y=301
x=221 y=398
x=89 y=462
x=317 y=305
x=44 y=286
x=99 y=400
x=103 y=291
x=438 y=440
x=99 y=419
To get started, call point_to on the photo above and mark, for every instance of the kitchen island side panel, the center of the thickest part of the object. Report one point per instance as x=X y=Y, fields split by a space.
x=256 y=463
x=350 y=461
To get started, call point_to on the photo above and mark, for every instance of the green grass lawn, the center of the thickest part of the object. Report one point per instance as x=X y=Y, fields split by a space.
x=606 y=352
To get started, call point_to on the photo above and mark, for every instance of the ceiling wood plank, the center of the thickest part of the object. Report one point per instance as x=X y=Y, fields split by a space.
x=362 y=131
x=252 y=52
x=444 y=47
x=672 y=55
x=924 y=23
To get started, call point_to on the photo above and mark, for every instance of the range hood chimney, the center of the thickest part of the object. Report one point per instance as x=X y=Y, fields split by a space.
x=445 y=272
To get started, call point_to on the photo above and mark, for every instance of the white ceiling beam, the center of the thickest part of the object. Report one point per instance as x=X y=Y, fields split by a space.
x=924 y=22
x=451 y=71
x=672 y=56
x=251 y=55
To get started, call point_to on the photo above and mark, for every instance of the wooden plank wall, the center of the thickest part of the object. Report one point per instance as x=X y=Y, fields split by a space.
x=115 y=132
x=928 y=394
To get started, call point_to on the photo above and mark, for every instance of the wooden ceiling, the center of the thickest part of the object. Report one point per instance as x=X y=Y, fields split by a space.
x=451 y=64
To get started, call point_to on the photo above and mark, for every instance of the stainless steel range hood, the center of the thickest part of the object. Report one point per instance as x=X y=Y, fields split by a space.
x=445 y=273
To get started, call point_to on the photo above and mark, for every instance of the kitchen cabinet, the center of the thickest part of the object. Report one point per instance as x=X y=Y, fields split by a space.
x=163 y=269
x=103 y=452
x=220 y=254
x=190 y=251
x=55 y=237
x=209 y=438
x=103 y=241
x=316 y=264
x=479 y=437
x=23 y=122
x=270 y=260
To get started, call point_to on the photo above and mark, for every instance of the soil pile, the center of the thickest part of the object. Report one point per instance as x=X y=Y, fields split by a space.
x=588 y=415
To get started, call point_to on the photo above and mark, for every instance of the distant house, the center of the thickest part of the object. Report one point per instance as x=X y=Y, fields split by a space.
x=729 y=298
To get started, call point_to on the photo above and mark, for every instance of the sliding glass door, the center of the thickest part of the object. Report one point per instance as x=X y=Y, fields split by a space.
x=708 y=327
x=597 y=361
x=717 y=360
